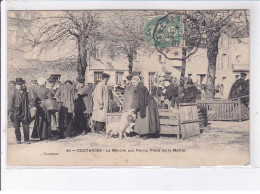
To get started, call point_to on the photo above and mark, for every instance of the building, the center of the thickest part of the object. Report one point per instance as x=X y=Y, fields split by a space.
x=233 y=58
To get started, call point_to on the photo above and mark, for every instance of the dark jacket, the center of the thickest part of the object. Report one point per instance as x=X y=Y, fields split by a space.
x=191 y=94
x=238 y=89
x=18 y=105
x=141 y=99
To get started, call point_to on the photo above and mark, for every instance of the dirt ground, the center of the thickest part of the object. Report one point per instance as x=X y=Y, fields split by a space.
x=221 y=143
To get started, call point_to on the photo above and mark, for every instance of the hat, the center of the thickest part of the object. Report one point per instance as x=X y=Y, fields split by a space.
x=34 y=81
x=243 y=74
x=189 y=81
x=52 y=78
x=19 y=81
x=81 y=80
x=68 y=82
x=57 y=76
x=105 y=75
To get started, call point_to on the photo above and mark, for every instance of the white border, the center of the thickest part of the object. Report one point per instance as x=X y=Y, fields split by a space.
x=138 y=178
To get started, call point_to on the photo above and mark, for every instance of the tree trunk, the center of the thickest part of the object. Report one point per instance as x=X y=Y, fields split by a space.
x=212 y=53
x=183 y=69
x=82 y=57
x=130 y=60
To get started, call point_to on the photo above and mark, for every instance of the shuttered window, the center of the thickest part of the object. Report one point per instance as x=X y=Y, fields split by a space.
x=151 y=80
x=119 y=76
x=97 y=77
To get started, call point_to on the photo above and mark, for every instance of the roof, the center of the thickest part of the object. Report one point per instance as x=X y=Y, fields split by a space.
x=109 y=65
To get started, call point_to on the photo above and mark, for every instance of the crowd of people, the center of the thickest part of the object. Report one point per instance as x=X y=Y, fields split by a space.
x=63 y=110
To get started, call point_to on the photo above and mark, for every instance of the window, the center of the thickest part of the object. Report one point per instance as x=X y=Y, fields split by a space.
x=119 y=77
x=151 y=80
x=160 y=58
x=238 y=57
x=201 y=78
x=97 y=77
x=224 y=61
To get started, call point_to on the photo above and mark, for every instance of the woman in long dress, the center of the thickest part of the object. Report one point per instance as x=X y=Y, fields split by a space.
x=147 y=121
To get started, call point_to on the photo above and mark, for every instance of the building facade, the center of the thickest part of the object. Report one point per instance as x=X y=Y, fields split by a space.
x=233 y=58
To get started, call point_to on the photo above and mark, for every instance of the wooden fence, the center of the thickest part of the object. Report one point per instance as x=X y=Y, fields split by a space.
x=225 y=110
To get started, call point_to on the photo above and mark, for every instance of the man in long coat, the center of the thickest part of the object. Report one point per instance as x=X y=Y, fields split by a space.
x=66 y=94
x=101 y=102
x=83 y=106
x=128 y=94
x=19 y=112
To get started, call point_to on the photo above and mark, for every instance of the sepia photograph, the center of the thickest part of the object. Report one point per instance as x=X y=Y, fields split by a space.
x=128 y=88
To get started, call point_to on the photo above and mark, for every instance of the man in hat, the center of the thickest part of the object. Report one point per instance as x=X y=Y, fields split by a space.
x=101 y=102
x=52 y=119
x=83 y=106
x=128 y=94
x=52 y=83
x=66 y=94
x=18 y=110
x=191 y=93
x=238 y=89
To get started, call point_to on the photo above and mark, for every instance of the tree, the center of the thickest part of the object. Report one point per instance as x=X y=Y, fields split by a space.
x=127 y=34
x=44 y=32
x=216 y=23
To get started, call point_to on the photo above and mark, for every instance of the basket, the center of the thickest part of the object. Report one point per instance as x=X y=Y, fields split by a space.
x=51 y=104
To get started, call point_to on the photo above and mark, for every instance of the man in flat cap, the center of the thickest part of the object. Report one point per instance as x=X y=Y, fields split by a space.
x=101 y=102
x=18 y=110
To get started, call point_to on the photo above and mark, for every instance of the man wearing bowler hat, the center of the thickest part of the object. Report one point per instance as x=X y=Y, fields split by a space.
x=101 y=102
x=18 y=110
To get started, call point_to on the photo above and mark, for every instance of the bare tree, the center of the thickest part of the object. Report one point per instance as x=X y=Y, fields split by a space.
x=46 y=32
x=125 y=34
x=233 y=23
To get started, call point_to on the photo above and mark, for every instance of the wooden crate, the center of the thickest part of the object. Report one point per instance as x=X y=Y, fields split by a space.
x=184 y=122
x=225 y=110
x=189 y=120
x=169 y=122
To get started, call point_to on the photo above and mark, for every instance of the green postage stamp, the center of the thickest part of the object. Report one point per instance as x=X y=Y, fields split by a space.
x=164 y=32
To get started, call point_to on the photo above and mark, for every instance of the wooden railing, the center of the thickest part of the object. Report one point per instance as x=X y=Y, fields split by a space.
x=118 y=99
x=225 y=110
